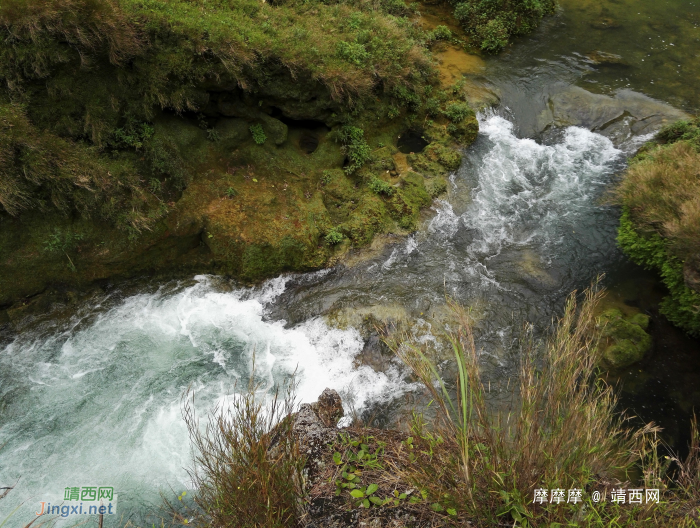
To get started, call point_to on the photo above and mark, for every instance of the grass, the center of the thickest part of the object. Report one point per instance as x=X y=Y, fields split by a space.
x=492 y=24
x=660 y=224
x=563 y=431
x=469 y=463
x=247 y=465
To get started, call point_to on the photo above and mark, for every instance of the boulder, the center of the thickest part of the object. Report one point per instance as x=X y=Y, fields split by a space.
x=274 y=129
x=624 y=339
x=619 y=117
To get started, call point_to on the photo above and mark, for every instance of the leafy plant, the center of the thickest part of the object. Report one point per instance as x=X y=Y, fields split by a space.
x=355 y=147
x=333 y=237
x=440 y=33
x=353 y=53
x=457 y=112
x=492 y=23
x=231 y=192
x=258 y=133
x=379 y=186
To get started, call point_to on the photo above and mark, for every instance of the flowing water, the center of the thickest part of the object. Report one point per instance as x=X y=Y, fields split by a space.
x=94 y=399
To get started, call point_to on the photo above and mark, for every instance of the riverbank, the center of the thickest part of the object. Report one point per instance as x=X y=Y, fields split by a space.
x=229 y=164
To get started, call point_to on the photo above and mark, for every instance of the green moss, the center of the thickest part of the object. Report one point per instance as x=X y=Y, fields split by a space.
x=261 y=261
x=650 y=250
x=493 y=23
x=623 y=340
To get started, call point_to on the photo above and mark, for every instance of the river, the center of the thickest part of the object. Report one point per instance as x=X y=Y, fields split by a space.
x=93 y=398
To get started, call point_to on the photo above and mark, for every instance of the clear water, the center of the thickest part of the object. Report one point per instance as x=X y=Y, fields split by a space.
x=95 y=399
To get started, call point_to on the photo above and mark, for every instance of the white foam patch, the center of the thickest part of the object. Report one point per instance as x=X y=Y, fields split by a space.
x=525 y=188
x=101 y=405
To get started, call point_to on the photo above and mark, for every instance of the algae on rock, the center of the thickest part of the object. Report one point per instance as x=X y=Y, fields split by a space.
x=624 y=340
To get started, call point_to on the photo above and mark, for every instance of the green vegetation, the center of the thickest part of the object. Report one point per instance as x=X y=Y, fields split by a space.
x=469 y=464
x=624 y=340
x=248 y=465
x=380 y=187
x=493 y=23
x=355 y=147
x=660 y=223
x=258 y=134
x=132 y=124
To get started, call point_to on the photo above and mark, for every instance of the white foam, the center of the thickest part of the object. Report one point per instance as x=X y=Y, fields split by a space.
x=101 y=405
x=525 y=188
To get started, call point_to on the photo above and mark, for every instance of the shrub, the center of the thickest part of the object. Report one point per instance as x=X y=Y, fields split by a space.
x=457 y=112
x=353 y=53
x=379 y=186
x=492 y=23
x=440 y=33
x=258 y=133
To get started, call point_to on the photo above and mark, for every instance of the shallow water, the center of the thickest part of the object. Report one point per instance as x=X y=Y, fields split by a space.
x=94 y=399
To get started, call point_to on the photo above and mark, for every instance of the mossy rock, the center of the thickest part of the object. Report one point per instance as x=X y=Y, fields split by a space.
x=436 y=186
x=436 y=160
x=274 y=129
x=232 y=131
x=465 y=131
x=624 y=340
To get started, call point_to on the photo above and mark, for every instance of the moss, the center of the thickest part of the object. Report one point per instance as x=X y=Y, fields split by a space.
x=493 y=23
x=682 y=305
x=660 y=222
x=436 y=186
x=147 y=155
x=624 y=340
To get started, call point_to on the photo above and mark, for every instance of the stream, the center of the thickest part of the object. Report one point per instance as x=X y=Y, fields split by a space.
x=93 y=398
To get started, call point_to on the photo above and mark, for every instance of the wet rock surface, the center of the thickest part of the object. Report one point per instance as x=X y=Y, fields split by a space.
x=618 y=117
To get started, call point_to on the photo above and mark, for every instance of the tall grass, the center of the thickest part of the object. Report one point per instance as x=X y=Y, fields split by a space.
x=662 y=194
x=247 y=464
x=563 y=431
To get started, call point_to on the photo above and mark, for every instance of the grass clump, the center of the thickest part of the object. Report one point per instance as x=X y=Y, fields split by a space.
x=492 y=24
x=333 y=237
x=355 y=146
x=563 y=431
x=379 y=186
x=660 y=224
x=247 y=465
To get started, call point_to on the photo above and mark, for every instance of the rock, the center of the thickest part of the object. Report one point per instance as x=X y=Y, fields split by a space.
x=315 y=426
x=602 y=58
x=234 y=130
x=619 y=117
x=275 y=129
x=605 y=23
x=624 y=339
x=329 y=408
x=230 y=106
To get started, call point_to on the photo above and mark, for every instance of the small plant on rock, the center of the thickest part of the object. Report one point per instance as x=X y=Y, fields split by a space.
x=258 y=133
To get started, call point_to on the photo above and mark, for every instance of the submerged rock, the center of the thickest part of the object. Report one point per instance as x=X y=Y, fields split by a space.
x=624 y=340
x=618 y=117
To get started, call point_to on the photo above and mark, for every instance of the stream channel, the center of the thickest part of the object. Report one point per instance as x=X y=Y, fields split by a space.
x=93 y=398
